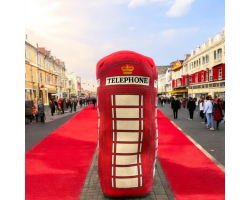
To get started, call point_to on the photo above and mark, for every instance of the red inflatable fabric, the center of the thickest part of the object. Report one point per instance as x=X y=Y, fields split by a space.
x=127 y=109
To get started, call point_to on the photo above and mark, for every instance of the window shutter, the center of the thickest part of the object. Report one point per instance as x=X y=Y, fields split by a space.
x=193 y=78
x=173 y=83
x=215 y=73
x=223 y=71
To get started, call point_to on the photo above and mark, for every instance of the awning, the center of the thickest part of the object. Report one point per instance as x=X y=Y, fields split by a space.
x=176 y=91
x=50 y=88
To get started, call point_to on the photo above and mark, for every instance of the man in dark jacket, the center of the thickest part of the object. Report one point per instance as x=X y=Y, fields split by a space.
x=52 y=107
x=191 y=107
x=175 y=105
x=93 y=101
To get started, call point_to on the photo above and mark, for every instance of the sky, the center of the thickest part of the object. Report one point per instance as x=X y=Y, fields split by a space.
x=81 y=32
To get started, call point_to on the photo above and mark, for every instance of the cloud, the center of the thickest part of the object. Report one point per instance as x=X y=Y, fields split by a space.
x=131 y=28
x=179 y=8
x=134 y=3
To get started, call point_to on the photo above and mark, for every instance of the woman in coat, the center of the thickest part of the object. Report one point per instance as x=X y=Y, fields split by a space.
x=217 y=113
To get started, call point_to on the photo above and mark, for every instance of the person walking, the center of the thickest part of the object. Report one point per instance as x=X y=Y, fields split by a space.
x=161 y=101
x=41 y=111
x=209 y=110
x=175 y=105
x=80 y=102
x=218 y=113
x=52 y=107
x=93 y=101
x=191 y=107
x=184 y=102
x=74 y=104
x=201 y=107
x=62 y=106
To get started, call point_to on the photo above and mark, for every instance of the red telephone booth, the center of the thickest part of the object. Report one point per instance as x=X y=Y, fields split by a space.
x=128 y=135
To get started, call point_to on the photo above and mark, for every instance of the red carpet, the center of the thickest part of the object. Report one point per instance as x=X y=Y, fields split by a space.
x=56 y=167
x=191 y=174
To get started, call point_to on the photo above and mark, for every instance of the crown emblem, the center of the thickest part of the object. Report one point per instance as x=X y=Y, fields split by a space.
x=127 y=69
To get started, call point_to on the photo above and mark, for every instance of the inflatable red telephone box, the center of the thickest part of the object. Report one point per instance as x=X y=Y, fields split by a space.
x=128 y=135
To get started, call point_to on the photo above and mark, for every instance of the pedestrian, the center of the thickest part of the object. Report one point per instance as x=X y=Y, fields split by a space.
x=74 y=104
x=56 y=106
x=52 y=107
x=191 y=107
x=184 y=102
x=201 y=106
x=196 y=106
x=162 y=102
x=41 y=111
x=218 y=113
x=94 y=101
x=62 y=105
x=175 y=105
x=80 y=102
x=209 y=110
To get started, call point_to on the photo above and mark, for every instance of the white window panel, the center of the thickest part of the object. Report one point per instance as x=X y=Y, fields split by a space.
x=126 y=182
x=127 y=124
x=126 y=171
x=128 y=136
x=126 y=159
x=126 y=148
x=127 y=112
x=127 y=100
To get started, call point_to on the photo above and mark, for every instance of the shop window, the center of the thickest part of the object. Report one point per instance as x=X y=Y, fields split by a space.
x=214 y=55
x=220 y=73
x=206 y=86
x=211 y=74
x=31 y=75
x=210 y=85
x=196 y=78
x=203 y=86
x=219 y=53
x=26 y=53
x=194 y=64
x=203 y=60
x=199 y=62
x=222 y=84
x=199 y=86
x=214 y=84
x=202 y=77
x=207 y=58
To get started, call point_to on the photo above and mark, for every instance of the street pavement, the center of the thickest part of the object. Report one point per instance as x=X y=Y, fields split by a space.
x=37 y=131
x=92 y=188
x=212 y=141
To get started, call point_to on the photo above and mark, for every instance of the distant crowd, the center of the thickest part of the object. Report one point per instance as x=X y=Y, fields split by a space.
x=58 y=106
x=211 y=109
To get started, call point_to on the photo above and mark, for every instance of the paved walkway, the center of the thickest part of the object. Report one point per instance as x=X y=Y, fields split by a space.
x=211 y=141
x=92 y=188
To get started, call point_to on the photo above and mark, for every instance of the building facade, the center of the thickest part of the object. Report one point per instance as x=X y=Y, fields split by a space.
x=206 y=68
x=44 y=74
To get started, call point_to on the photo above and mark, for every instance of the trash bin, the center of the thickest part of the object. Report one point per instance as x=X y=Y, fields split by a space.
x=127 y=111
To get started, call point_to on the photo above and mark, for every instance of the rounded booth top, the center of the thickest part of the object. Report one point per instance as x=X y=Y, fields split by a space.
x=126 y=68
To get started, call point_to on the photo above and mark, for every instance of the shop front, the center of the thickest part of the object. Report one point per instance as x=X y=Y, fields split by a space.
x=179 y=93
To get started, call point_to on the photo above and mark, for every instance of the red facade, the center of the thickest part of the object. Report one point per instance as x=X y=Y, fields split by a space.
x=173 y=83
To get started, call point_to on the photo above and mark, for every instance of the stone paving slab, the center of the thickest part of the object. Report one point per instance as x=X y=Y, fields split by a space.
x=92 y=188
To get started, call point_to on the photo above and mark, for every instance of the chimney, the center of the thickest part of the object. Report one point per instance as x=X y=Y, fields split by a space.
x=209 y=41
x=223 y=31
x=26 y=37
x=192 y=53
x=37 y=45
x=197 y=48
